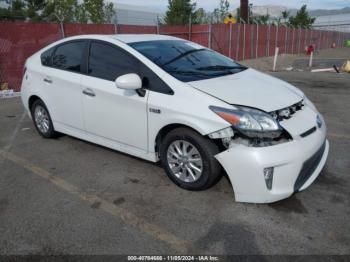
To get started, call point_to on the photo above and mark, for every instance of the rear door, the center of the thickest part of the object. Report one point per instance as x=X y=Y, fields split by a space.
x=62 y=81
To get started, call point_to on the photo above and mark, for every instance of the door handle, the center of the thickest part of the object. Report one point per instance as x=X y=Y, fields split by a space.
x=89 y=92
x=48 y=80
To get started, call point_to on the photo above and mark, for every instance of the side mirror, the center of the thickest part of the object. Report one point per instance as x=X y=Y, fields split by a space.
x=129 y=82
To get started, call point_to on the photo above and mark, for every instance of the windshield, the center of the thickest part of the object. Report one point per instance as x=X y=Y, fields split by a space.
x=187 y=61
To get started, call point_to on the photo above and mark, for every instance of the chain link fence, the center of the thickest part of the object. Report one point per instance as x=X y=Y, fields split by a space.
x=19 y=40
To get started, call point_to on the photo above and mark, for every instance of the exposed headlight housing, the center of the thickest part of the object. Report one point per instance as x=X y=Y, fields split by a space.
x=250 y=122
x=223 y=133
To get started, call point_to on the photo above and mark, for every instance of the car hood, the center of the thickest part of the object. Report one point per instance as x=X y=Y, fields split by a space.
x=251 y=88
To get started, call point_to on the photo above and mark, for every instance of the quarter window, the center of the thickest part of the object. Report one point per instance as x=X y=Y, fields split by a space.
x=46 y=57
x=68 y=56
x=108 y=62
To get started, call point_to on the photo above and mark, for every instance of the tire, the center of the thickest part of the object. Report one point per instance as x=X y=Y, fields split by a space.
x=43 y=122
x=206 y=150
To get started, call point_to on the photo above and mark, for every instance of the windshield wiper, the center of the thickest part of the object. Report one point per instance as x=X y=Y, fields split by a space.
x=182 y=55
x=197 y=73
x=188 y=72
x=219 y=68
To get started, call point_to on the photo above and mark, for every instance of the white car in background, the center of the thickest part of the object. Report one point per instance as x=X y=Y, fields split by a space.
x=198 y=112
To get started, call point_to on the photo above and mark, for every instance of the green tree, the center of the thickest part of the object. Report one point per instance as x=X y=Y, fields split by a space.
x=285 y=15
x=109 y=13
x=302 y=18
x=179 y=12
x=34 y=9
x=98 y=11
x=81 y=15
x=18 y=10
x=5 y=14
x=61 y=11
x=262 y=19
x=95 y=11
x=15 y=12
x=221 y=12
x=201 y=17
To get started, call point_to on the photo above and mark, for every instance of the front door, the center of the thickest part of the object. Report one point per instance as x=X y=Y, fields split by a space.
x=109 y=112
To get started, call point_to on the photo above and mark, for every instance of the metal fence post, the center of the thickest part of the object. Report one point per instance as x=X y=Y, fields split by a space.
x=276 y=40
x=268 y=40
x=238 y=39
x=257 y=41
x=319 y=40
x=230 y=42
x=158 y=25
x=251 y=29
x=190 y=28
x=209 y=35
x=299 y=41
x=312 y=37
x=62 y=29
x=116 y=25
x=243 y=41
x=293 y=39
x=285 y=39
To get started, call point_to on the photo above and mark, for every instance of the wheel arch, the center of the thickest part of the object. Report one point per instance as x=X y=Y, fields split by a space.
x=31 y=101
x=166 y=129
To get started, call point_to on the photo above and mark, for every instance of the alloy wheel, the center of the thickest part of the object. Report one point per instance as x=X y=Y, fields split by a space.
x=185 y=161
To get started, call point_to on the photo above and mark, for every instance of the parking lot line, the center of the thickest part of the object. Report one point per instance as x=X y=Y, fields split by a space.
x=15 y=132
x=121 y=213
x=338 y=135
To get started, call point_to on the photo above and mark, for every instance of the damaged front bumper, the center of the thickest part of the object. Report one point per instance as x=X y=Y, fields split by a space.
x=295 y=164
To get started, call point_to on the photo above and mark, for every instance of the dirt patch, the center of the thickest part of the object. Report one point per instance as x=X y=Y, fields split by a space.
x=286 y=61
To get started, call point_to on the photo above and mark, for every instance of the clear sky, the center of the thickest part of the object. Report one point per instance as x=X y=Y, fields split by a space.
x=211 y=4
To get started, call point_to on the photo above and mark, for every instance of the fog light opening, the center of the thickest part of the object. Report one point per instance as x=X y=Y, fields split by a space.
x=268 y=176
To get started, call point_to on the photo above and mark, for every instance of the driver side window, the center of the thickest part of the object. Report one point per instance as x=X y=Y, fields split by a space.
x=108 y=62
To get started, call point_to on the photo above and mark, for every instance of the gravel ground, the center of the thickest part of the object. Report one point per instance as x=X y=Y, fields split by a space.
x=287 y=61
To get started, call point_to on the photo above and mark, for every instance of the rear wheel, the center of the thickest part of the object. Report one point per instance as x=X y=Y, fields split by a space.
x=188 y=159
x=42 y=119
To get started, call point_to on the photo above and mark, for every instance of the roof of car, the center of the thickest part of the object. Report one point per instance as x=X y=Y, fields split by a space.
x=131 y=38
x=125 y=38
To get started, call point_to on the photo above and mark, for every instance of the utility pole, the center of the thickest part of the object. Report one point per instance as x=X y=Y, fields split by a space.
x=245 y=10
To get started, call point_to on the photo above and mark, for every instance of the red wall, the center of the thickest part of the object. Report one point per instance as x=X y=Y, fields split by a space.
x=19 y=40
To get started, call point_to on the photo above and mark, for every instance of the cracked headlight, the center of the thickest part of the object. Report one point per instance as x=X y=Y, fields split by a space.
x=250 y=122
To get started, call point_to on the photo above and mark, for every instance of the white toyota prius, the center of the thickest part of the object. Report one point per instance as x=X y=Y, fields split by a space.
x=165 y=99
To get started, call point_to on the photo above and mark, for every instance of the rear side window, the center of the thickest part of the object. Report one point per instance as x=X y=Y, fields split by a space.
x=46 y=57
x=68 y=56
x=108 y=62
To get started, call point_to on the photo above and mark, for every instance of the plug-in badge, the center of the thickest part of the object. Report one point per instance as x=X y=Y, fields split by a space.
x=155 y=110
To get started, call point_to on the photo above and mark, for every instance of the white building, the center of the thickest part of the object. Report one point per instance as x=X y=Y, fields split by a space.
x=340 y=22
x=137 y=15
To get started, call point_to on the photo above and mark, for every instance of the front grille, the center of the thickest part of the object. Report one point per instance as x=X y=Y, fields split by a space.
x=309 y=168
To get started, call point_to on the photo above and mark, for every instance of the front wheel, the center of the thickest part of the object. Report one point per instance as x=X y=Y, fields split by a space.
x=188 y=159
